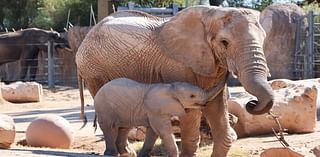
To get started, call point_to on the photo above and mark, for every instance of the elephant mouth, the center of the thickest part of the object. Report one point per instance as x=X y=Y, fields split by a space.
x=198 y=105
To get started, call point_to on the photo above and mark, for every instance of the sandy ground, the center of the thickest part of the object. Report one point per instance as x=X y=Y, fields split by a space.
x=64 y=101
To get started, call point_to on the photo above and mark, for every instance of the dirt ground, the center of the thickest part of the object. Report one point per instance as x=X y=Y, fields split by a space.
x=64 y=101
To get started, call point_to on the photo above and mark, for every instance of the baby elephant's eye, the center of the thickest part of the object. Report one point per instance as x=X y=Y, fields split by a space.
x=192 y=96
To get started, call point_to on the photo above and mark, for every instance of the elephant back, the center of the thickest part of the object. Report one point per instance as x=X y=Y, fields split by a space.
x=115 y=38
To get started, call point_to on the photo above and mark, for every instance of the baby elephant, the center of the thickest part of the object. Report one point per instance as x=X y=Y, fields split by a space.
x=123 y=103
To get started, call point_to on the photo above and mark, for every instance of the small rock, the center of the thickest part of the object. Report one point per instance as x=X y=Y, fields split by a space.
x=316 y=151
x=7 y=131
x=283 y=152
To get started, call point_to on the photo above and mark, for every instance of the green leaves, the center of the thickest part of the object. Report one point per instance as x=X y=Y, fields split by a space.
x=44 y=14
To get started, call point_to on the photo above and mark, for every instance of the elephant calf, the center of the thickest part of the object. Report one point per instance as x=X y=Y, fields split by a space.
x=123 y=103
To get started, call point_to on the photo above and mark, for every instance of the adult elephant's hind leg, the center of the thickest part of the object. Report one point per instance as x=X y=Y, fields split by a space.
x=216 y=113
x=190 y=133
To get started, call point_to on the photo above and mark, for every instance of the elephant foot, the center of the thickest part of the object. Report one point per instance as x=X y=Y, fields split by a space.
x=144 y=154
x=129 y=152
x=110 y=153
x=187 y=155
x=127 y=155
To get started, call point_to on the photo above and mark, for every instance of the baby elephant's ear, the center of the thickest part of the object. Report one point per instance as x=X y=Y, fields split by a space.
x=163 y=103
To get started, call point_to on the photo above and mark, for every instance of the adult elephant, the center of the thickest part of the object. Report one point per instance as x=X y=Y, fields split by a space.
x=199 y=45
x=25 y=46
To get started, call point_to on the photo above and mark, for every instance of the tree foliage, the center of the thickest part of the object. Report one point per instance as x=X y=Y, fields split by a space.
x=48 y=14
x=44 y=14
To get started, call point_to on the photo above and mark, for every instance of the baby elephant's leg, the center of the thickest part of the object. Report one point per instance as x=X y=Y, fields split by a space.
x=148 y=144
x=122 y=143
x=109 y=139
x=169 y=144
x=162 y=126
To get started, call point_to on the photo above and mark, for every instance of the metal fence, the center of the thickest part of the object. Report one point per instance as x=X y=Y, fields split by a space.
x=161 y=12
x=53 y=68
x=307 y=51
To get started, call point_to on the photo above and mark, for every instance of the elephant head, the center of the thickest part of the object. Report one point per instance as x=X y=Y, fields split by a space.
x=40 y=36
x=175 y=98
x=206 y=38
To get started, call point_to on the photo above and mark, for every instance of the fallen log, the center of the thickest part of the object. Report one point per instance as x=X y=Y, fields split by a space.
x=295 y=105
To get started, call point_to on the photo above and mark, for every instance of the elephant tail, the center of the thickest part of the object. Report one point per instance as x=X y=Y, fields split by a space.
x=95 y=123
x=82 y=114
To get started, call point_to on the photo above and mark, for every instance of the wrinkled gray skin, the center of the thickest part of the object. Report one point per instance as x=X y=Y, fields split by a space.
x=199 y=46
x=123 y=103
x=26 y=45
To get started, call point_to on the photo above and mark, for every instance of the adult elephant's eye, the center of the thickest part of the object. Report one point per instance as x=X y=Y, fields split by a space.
x=192 y=96
x=225 y=43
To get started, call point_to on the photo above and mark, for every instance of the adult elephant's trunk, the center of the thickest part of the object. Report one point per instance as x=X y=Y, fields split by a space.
x=253 y=77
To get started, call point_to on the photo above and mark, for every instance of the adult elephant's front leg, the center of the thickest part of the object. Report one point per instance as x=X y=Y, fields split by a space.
x=216 y=113
x=190 y=132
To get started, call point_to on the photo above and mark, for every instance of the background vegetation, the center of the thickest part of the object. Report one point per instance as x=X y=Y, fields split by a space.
x=46 y=14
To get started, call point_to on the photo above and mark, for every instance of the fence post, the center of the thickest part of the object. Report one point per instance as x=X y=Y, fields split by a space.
x=130 y=5
x=309 y=53
x=175 y=8
x=186 y=3
x=50 y=65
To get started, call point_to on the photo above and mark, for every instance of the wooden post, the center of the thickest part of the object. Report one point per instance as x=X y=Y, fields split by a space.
x=131 y=5
x=175 y=8
x=104 y=9
x=50 y=65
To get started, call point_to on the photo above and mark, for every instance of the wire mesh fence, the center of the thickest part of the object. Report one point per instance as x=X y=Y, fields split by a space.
x=307 y=53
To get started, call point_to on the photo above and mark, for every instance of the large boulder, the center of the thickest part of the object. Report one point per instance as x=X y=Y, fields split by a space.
x=295 y=105
x=50 y=131
x=22 y=92
x=7 y=131
x=2 y=101
x=280 y=21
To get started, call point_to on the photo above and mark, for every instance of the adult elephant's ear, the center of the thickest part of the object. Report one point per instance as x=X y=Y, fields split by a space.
x=182 y=38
